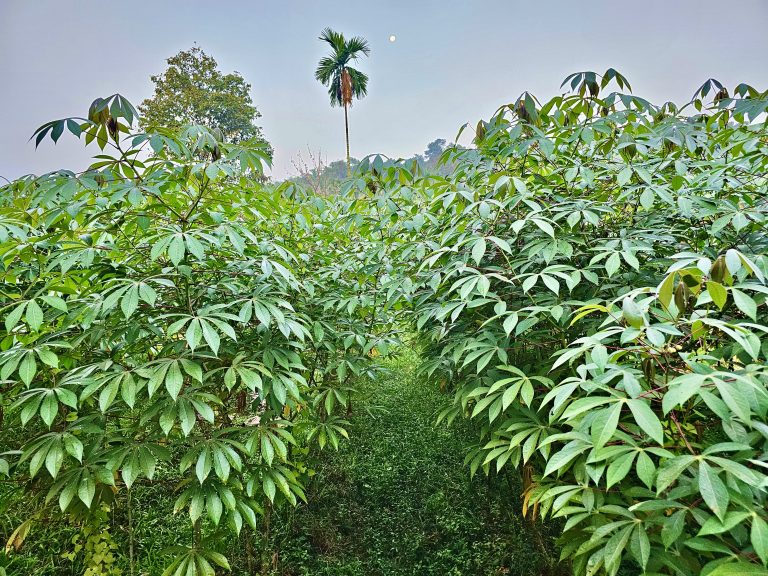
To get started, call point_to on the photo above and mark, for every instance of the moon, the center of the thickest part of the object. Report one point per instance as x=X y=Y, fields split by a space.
x=392 y=37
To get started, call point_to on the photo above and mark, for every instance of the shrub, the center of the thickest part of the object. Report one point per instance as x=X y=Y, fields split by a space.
x=591 y=284
x=163 y=308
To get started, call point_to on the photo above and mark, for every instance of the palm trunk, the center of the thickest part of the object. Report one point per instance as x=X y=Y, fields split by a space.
x=346 y=129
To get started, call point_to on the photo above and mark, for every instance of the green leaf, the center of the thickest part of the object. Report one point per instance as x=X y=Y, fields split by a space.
x=759 y=537
x=640 y=546
x=67 y=495
x=673 y=528
x=713 y=525
x=632 y=313
x=54 y=459
x=267 y=451
x=220 y=464
x=544 y=226
x=269 y=488
x=647 y=198
x=214 y=507
x=86 y=490
x=14 y=316
x=551 y=283
x=713 y=491
x=108 y=394
x=510 y=322
x=644 y=174
x=174 y=380
x=732 y=261
x=604 y=424
x=615 y=547
x=74 y=447
x=718 y=293
x=645 y=468
x=176 y=249
x=193 y=333
x=738 y=569
x=130 y=301
x=670 y=470
x=28 y=368
x=647 y=421
x=203 y=465
x=744 y=303
x=211 y=336
x=55 y=302
x=681 y=389
x=128 y=389
x=49 y=408
x=665 y=290
x=619 y=468
x=612 y=264
x=563 y=457
x=34 y=315
x=478 y=250
x=218 y=559
x=48 y=357
x=624 y=175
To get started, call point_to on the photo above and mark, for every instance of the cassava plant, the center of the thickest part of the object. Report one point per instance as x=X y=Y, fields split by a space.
x=163 y=309
x=590 y=282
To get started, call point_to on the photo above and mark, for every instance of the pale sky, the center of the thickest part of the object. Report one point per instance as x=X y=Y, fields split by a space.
x=453 y=61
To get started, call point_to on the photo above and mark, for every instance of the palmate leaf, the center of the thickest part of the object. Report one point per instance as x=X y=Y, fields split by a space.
x=195 y=562
x=596 y=243
x=135 y=298
x=637 y=385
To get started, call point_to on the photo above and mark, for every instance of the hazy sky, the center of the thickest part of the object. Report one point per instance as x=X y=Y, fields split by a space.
x=453 y=61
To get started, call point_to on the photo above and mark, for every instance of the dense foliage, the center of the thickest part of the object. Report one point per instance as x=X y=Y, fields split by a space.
x=588 y=281
x=591 y=280
x=163 y=308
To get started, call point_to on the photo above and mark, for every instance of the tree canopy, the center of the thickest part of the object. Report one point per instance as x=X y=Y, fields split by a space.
x=193 y=90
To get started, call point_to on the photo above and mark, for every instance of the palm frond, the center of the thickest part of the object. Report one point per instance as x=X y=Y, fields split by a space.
x=356 y=47
x=334 y=90
x=325 y=69
x=335 y=39
x=359 y=82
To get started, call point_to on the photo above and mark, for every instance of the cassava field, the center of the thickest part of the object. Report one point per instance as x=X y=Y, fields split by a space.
x=545 y=354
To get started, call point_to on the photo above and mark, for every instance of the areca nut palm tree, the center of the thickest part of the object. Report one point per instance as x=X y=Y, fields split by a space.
x=344 y=82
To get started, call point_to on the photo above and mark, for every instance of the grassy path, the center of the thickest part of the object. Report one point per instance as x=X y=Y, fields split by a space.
x=397 y=500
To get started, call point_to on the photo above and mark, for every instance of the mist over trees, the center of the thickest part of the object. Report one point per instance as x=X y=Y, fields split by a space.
x=326 y=178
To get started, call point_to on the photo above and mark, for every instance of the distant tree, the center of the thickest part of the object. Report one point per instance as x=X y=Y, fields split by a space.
x=337 y=167
x=193 y=90
x=344 y=82
x=433 y=151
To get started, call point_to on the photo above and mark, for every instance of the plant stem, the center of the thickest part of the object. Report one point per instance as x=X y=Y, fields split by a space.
x=131 y=540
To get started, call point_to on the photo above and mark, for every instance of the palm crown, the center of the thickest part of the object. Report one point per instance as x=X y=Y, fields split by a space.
x=344 y=82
